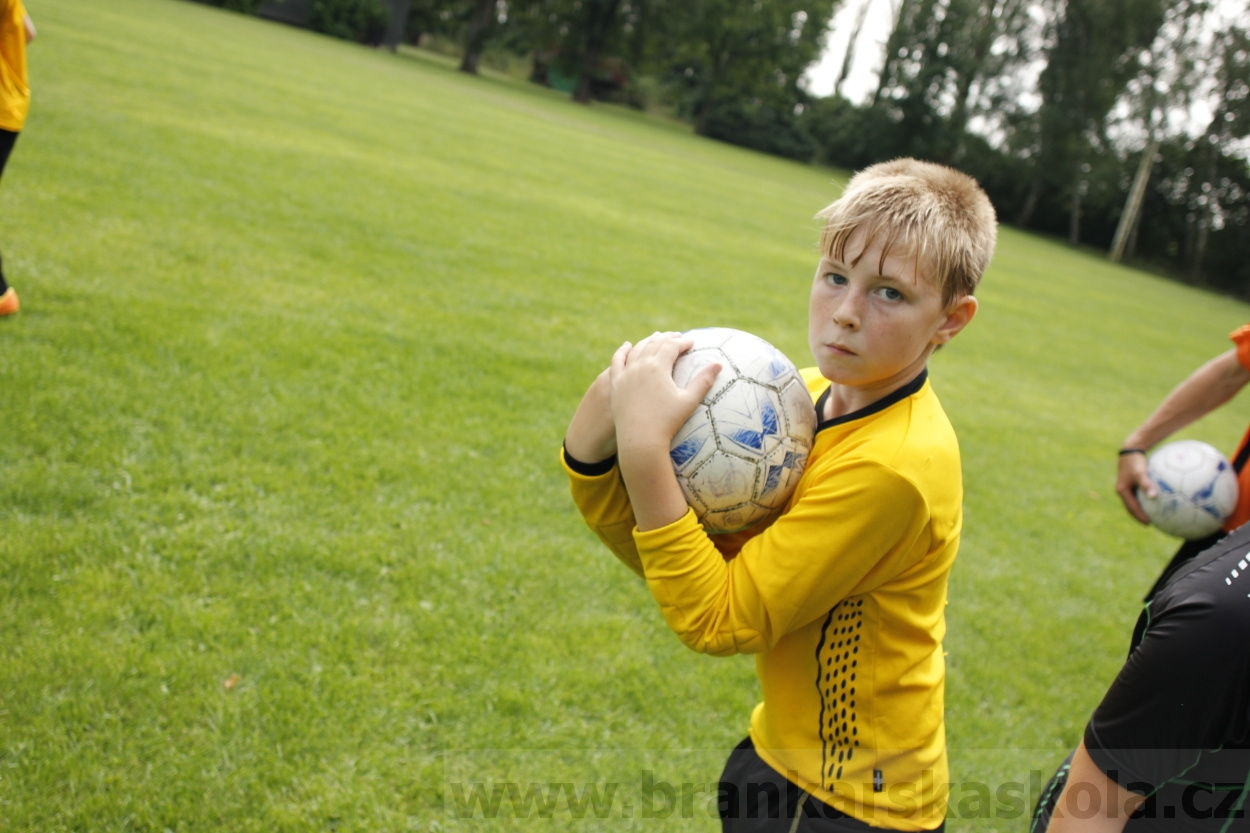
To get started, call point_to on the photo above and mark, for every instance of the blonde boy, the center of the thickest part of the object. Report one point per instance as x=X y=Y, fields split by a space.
x=840 y=599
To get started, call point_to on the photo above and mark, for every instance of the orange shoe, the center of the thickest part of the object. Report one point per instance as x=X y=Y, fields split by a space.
x=8 y=302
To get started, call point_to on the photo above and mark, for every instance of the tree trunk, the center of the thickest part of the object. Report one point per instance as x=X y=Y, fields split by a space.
x=701 y=117
x=397 y=25
x=1132 y=207
x=1200 y=249
x=1030 y=202
x=898 y=36
x=982 y=44
x=952 y=151
x=849 y=57
x=479 y=32
x=1207 y=214
x=1074 y=218
x=601 y=16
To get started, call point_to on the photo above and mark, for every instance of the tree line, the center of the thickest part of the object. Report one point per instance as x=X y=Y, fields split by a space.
x=1121 y=125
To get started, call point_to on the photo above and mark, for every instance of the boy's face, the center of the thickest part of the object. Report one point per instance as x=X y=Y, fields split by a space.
x=872 y=326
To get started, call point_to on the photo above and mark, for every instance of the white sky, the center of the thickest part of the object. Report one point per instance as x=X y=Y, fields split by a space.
x=861 y=81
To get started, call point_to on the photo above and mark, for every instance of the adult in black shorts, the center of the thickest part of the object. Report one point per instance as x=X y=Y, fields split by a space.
x=1170 y=743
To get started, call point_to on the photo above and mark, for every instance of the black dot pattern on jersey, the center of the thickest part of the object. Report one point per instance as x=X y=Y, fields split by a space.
x=837 y=657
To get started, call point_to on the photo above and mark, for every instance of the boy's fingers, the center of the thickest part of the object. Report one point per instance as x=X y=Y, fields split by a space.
x=618 y=359
x=651 y=340
x=702 y=381
x=664 y=345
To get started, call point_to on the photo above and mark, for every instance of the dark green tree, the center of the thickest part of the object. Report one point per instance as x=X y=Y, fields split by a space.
x=363 y=21
x=1217 y=200
x=948 y=61
x=482 y=20
x=1165 y=85
x=1096 y=48
x=439 y=18
x=732 y=52
x=595 y=46
x=599 y=28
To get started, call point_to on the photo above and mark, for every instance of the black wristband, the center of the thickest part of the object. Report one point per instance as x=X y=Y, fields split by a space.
x=590 y=469
x=1124 y=451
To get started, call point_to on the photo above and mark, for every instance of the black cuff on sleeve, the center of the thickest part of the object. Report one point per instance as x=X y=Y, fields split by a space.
x=590 y=469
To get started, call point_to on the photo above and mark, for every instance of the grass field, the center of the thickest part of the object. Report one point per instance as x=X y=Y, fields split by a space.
x=283 y=541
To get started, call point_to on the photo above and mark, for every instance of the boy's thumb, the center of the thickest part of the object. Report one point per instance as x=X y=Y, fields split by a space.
x=702 y=381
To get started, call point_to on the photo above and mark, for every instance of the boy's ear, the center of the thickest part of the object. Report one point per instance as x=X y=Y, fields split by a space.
x=957 y=317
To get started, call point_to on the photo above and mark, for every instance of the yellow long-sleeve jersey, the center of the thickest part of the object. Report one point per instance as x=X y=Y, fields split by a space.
x=841 y=599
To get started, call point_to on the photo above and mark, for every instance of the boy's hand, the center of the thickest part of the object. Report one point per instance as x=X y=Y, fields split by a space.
x=1131 y=476
x=648 y=408
x=647 y=405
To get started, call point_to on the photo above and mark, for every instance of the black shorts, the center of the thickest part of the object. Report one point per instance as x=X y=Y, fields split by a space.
x=755 y=798
x=1049 y=798
x=7 y=140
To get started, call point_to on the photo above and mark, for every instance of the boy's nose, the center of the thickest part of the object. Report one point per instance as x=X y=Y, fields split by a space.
x=847 y=313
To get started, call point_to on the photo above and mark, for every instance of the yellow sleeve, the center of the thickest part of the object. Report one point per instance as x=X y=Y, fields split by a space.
x=858 y=527
x=605 y=507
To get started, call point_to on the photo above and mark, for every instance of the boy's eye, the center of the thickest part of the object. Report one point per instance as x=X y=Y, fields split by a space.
x=835 y=279
x=890 y=293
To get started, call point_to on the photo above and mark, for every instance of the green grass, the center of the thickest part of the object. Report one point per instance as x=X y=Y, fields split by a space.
x=302 y=326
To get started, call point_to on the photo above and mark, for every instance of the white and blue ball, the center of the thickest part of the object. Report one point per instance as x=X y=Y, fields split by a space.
x=741 y=453
x=1197 y=489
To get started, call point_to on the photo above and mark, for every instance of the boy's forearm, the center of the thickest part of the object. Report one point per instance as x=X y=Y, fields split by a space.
x=604 y=504
x=591 y=435
x=652 y=485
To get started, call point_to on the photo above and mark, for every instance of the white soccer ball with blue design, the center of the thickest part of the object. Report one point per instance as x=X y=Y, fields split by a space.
x=1197 y=489
x=741 y=453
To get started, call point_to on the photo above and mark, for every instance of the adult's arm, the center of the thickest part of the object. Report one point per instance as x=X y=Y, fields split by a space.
x=1206 y=389
x=1091 y=801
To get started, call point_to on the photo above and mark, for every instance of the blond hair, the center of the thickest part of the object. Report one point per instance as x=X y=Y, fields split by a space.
x=933 y=213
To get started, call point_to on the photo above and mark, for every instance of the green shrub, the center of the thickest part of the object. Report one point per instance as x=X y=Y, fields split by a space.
x=245 y=6
x=363 y=21
x=853 y=137
x=761 y=127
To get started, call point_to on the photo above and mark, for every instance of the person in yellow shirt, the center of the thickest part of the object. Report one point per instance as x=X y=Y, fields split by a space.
x=16 y=30
x=841 y=599
x=1207 y=388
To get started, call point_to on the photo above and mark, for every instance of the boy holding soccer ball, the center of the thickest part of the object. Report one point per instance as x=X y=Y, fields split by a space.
x=841 y=598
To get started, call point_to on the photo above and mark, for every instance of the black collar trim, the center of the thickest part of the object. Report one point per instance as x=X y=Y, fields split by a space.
x=880 y=405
